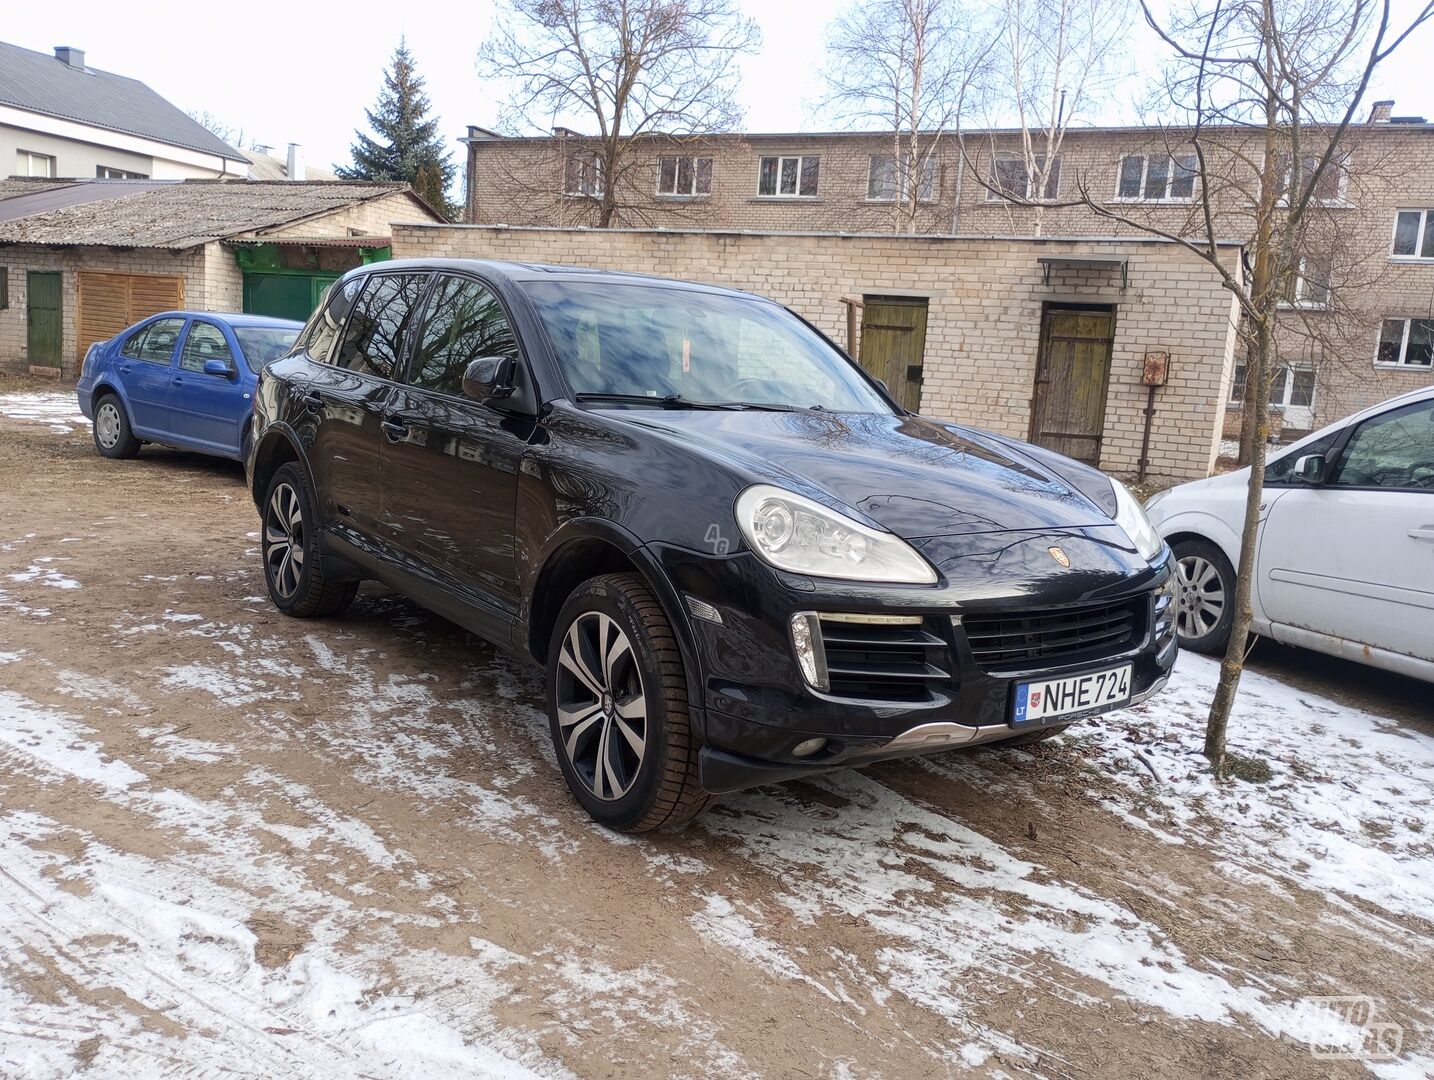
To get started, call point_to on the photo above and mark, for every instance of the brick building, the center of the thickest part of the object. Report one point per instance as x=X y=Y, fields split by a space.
x=980 y=312
x=81 y=261
x=1359 y=326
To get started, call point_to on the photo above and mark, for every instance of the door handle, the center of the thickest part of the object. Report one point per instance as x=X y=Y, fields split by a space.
x=394 y=430
x=311 y=400
x=177 y=381
x=124 y=369
x=1424 y=532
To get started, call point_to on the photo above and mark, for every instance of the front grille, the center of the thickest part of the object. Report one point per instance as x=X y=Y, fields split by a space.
x=876 y=662
x=1033 y=638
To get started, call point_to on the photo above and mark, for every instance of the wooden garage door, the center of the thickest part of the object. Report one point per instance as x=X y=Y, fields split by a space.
x=110 y=302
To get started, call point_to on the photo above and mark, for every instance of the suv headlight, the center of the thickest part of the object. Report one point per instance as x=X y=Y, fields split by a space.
x=794 y=533
x=1130 y=517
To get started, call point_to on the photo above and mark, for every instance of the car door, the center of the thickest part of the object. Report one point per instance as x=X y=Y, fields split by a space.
x=450 y=464
x=1353 y=557
x=348 y=395
x=145 y=366
x=209 y=410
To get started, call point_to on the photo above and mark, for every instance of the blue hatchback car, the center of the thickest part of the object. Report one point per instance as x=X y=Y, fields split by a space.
x=180 y=378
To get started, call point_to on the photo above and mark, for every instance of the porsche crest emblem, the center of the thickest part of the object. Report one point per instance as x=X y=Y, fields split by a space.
x=1060 y=557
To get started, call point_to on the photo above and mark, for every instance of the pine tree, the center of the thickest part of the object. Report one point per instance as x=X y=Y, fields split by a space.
x=407 y=145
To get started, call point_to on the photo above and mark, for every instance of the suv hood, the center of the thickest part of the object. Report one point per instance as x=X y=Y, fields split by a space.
x=914 y=477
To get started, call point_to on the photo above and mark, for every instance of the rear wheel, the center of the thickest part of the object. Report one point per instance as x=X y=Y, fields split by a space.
x=113 y=437
x=1204 y=597
x=293 y=570
x=617 y=708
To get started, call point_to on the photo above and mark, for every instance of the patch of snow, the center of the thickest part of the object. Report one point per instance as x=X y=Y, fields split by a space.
x=45 y=576
x=57 y=743
x=60 y=412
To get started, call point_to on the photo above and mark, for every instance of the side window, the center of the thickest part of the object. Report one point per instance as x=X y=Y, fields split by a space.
x=205 y=342
x=1395 y=450
x=465 y=322
x=155 y=343
x=318 y=337
x=1283 y=470
x=373 y=338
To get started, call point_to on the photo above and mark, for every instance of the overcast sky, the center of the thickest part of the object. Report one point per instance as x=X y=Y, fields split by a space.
x=304 y=72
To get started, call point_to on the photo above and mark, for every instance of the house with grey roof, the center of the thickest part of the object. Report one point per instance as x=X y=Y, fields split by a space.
x=82 y=260
x=60 y=117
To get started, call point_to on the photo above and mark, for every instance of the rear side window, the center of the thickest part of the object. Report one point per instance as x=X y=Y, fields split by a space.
x=155 y=343
x=377 y=325
x=205 y=342
x=465 y=322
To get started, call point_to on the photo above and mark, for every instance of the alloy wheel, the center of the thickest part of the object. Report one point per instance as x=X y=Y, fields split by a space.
x=107 y=425
x=602 y=711
x=1201 y=599
x=284 y=540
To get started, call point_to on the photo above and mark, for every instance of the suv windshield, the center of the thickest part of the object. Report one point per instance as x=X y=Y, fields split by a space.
x=260 y=344
x=647 y=341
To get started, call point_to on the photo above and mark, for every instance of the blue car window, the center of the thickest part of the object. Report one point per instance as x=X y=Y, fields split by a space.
x=205 y=342
x=155 y=343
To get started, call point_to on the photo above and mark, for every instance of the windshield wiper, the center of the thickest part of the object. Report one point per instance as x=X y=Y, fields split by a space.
x=670 y=401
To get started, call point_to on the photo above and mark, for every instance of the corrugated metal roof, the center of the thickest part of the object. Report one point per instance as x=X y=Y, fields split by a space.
x=187 y=214
x=41 y=83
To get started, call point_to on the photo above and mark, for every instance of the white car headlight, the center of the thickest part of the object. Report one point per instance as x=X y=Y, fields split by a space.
x=794 y=533
x=1131 y=517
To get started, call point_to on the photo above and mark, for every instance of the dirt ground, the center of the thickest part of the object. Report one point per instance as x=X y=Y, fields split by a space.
x=238 y=844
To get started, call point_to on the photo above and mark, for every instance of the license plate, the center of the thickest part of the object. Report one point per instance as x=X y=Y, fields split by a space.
x=1046 y=698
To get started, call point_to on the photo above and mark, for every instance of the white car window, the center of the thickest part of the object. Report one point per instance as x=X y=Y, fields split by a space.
x=1395 y=450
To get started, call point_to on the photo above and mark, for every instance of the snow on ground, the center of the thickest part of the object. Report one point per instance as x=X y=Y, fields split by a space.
x=60 y=412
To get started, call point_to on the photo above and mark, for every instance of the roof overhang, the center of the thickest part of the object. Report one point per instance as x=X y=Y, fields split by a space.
x=1084 y=262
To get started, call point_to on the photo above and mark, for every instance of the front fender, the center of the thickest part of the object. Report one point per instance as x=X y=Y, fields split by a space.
x=1200 y=523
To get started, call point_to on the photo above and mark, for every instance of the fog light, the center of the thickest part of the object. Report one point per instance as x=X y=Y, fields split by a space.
x=811 y=654
x=808 y=747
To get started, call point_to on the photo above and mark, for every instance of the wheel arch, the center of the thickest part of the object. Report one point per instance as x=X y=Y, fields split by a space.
x=105 y=386
x=277 y=446
x=1206 y=528
x=587 y=549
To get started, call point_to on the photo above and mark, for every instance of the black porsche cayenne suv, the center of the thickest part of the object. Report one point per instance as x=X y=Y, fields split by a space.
x=739 y=560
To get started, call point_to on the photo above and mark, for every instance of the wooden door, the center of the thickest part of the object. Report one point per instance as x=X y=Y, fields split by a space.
x=44 y=322
x=893 y=342
x=110 y=302
x=1072 y=376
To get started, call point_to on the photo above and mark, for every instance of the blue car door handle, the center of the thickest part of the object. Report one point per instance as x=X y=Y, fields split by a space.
x=178 y=380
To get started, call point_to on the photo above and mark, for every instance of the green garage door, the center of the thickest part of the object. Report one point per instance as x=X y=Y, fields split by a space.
x=44 y=323
x=285 y=296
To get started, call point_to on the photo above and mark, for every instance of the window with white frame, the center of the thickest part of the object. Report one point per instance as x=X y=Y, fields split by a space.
x=1293 y=387
x=1330 y=187
x=29 y=163
x=1010 y=178
x=1406 y=343
x=1157 y=177
x=1413 y=234
x=792 y=177
x=689 y=176
x=583 y=174
x=888 y=178
x=1309 y=282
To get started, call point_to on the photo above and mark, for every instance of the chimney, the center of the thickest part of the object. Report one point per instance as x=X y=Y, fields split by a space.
x=295 y=170
x=1381 y=112
x=261 y=148
x=70 y=56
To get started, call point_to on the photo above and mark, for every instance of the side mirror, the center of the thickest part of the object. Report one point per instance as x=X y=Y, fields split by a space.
x=488 y=378
x=1310 y=468
x=222 y=368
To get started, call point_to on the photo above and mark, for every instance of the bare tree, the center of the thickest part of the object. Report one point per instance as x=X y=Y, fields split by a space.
x=1056 y=61
x=1271 y=88
x=235 y=137
x=622 y=69
x=911 y=66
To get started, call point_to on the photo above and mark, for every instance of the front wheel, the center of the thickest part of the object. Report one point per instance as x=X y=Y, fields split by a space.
x=1204 y=596
x=617 y=708
x=293 y=570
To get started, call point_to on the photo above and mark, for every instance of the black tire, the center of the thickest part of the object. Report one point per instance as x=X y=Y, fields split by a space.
x=112 y=433
x=592 y=712
x=289 y=544
x=1028 y=738
x=1205 y=596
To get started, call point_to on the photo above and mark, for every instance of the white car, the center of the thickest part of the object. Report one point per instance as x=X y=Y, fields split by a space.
x=1345 y=558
